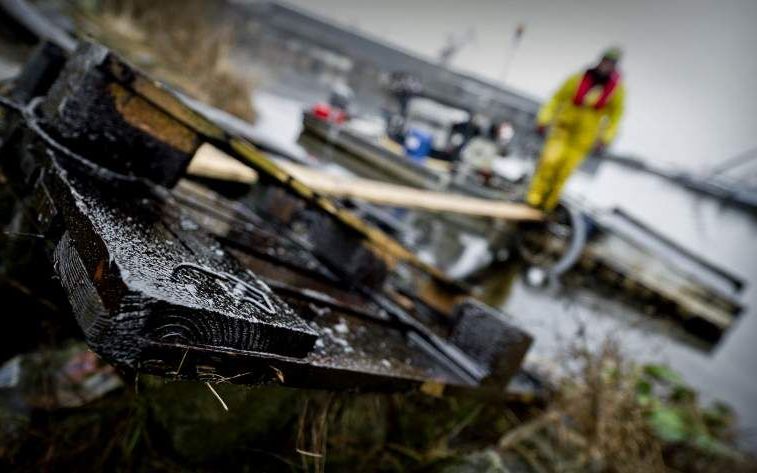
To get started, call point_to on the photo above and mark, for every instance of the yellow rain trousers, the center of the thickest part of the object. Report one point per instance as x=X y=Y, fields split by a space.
x=574 y=131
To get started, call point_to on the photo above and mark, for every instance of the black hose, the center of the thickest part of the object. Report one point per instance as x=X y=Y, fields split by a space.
x=577 y=221
x=578 y=239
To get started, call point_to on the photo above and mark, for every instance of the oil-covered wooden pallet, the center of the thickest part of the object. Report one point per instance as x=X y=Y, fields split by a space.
x=159 y=283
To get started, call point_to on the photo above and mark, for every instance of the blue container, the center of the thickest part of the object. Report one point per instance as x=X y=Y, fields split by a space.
x=417 y=144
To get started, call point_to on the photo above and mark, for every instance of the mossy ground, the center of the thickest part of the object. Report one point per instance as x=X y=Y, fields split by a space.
x=610 y=415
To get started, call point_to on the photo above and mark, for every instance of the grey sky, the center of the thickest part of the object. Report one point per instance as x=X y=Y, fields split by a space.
x=690 y=64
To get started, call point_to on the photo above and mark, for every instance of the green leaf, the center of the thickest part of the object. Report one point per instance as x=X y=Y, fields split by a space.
x=718 y=417
x=716 y=447
x=683 y=393
x=644 y=400
x=668 y=424
x=643 y=388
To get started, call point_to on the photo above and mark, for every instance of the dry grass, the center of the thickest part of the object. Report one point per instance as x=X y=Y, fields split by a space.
x=180 y=42
x=595 y=422
x=312 y=432
x=599 y=422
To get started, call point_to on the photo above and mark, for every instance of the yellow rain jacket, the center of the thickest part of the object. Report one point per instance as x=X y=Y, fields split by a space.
x=574 y=131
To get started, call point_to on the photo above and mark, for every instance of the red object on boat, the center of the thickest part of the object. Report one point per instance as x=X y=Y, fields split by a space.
x=326 y=112
x=321 y=110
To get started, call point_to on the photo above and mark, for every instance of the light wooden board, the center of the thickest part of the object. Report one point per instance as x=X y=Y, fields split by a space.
x=211 y=162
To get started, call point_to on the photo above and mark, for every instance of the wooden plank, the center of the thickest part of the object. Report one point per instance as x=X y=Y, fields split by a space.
x=211 y=162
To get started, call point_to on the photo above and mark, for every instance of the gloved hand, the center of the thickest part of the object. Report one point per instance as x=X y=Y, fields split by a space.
x=541 y=130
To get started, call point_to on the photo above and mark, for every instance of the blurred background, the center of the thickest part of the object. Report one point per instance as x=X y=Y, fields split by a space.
x=683 y=61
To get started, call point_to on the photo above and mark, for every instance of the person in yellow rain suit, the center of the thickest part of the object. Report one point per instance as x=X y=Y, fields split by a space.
x=582 y=115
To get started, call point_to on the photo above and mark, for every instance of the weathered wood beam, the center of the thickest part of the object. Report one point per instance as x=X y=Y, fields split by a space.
x=211 y=162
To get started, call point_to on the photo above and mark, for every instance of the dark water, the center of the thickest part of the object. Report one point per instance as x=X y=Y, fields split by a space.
x=723 y=235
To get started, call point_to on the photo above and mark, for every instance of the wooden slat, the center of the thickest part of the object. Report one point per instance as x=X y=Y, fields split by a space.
x=211 y=162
